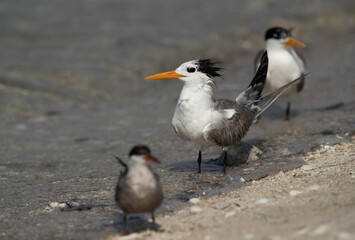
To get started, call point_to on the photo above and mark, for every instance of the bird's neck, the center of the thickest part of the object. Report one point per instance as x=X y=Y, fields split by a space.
x=198 y=92
x=275 y=46
x=137 y=164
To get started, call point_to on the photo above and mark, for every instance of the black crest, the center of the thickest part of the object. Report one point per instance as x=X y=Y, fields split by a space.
x=277 y=33
x=207 y=66
x=140 y=150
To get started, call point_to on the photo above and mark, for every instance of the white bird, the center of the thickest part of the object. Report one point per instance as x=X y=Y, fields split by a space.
x=201 y=119
x=285 y=64
x=138 y=189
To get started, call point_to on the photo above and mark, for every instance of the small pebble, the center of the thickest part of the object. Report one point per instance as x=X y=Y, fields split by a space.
x=195 y=209
x=57 y=205
x=194 y=200
x=242 y=179
x=343 y=235
x=53 y=204
x=294 y=193
x=62 y=205
x=262 y=201
x=230 y=214
x=326 y=147
x=322 y=229
x=208 y=237
x=248 y=236
x=130 y=236
x=301 y=232
x=313 y=188
x=273 y=238
x=307 y=167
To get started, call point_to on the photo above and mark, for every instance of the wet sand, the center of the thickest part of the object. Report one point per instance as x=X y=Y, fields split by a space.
x=72 y=93
x=315 y=201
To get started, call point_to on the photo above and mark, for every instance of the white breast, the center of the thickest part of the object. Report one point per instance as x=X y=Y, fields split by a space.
x=283 y=68
x=140 y=178
x=192 y=113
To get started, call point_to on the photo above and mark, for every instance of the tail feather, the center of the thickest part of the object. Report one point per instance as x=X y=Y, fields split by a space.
x=124 y=172
x=256 y=86
x=267 y=100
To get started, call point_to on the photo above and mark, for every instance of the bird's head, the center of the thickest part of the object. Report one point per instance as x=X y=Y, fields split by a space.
x=281 y=37
x=195 y=71
x=141 y=153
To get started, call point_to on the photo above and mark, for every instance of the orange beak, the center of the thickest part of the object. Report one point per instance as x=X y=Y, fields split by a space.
x=165 y=75
x=151 y=159
x=293 y=42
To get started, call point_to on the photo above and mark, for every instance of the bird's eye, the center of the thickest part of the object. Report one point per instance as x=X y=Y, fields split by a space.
x=191 y=69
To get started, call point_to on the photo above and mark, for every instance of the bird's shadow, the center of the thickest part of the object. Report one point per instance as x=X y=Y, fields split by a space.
x=136 y=223
x=190 y=166
x=213 y=165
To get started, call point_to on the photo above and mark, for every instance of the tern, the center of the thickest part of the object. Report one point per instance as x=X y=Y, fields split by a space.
x=285 y=64
x=201 y=119
x=138 y=189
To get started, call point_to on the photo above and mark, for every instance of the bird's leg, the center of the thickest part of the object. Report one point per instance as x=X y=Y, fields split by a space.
x=288 y=109
x=155 y=225
x=224 y=161
x=125 y=232
x=199 y=160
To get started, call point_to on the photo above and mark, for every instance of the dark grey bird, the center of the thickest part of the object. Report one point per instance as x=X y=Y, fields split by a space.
x=203 y=120
x=285 y=64
x=138 y=189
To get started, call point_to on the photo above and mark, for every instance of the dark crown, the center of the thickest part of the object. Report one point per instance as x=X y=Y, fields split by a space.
x=207 y=66
x=277 y=33
x=140 y=150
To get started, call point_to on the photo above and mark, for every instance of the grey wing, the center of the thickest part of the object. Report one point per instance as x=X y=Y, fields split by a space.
x=232 y=128
x=257 y=59
x=302 y=61
x=119 y=186
x=224 y=104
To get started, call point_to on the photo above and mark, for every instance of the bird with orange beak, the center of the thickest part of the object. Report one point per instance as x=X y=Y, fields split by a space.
x=201 y=119
x=285 y=64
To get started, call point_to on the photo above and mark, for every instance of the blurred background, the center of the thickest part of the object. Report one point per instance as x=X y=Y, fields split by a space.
x=60 y=54
x=72 y=92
